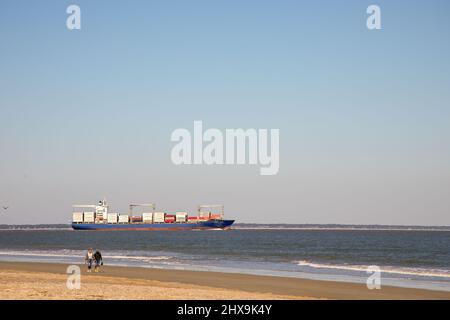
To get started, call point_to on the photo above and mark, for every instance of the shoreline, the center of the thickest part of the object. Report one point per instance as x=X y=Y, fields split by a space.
x=152 y=283
x=359 y=276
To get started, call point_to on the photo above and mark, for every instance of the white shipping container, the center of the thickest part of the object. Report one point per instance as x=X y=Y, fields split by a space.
x=123 y=218
x=89 y=217
x=181 y=216
x=158 y=217
x=112 y=217
x=205 y=215
x=147 y=217
x=77 y=217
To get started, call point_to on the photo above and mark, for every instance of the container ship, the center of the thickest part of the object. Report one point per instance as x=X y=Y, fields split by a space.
x=98 y=217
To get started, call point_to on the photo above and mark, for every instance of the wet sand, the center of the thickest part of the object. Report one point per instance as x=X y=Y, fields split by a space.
x=48 y=281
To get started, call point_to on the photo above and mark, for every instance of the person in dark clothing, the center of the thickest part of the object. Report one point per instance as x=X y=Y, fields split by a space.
x=98 y=260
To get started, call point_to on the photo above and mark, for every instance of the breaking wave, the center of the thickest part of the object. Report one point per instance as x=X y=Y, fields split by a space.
x=423 y=272
x=79 y=255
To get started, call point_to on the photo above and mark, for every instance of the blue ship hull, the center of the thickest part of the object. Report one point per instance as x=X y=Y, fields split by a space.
x=203 y=225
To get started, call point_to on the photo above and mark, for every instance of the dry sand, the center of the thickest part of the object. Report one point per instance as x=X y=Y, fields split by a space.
x=48 y=281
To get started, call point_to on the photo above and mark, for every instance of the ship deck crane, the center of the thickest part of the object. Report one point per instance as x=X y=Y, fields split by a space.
x=133 y=205
x=202 y=207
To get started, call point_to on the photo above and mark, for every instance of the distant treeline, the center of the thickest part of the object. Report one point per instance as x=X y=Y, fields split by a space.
x=337 y=226
x=33 y=226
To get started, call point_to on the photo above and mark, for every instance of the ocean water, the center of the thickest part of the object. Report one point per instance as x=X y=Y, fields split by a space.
x=407 y=258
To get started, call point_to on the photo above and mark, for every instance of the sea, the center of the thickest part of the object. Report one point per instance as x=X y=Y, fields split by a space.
x=410 y=257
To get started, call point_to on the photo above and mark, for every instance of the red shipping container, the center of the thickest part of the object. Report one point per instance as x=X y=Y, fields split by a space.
x=169 y=218
x=215 y=216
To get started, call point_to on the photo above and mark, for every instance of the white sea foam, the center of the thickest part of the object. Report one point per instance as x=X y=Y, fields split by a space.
x=36 y=254
x=140 y=258
x=385 y=269
x=77 y=254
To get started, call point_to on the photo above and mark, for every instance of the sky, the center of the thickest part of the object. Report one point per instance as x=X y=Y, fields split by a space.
x=364 y=115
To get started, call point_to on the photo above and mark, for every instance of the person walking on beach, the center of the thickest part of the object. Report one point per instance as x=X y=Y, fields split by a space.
x=98 y=260
x=89 y=259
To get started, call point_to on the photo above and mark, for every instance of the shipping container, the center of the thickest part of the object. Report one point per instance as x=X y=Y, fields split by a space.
x=216 y=216
x=169 y=218
x=112 y=217
x=89 y=217
x=77 y=217
x=147 y=217
x=158 y=217
x=181 y=216
x=124 y=218
x=136 y=219
x=205 y=215
x=192 y=219
x=99 y=217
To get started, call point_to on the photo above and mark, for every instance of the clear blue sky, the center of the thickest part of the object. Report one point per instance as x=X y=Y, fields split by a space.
x=364 y=116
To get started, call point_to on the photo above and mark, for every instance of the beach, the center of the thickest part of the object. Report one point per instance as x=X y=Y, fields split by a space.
x=24 y=280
